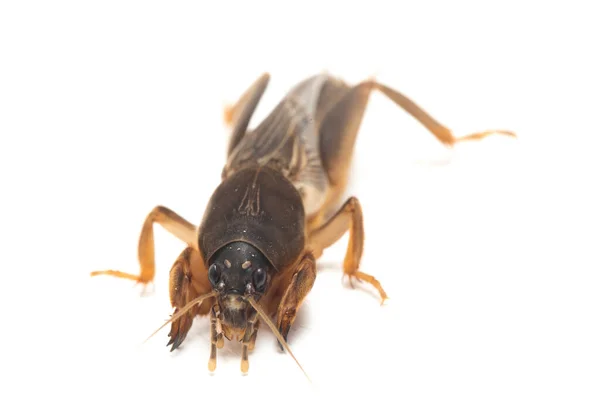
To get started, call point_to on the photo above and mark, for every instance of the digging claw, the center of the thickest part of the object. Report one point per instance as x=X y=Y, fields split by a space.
x=285 y=335
x=177 y=342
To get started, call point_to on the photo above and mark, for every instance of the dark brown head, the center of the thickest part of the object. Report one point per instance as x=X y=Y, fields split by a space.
x=237 y=271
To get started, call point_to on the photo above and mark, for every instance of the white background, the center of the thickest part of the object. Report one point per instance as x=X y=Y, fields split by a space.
x=489 y=252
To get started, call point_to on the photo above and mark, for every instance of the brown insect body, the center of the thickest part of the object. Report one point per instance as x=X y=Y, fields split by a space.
x=259 y=206
x=255 y=219
x=275 y=211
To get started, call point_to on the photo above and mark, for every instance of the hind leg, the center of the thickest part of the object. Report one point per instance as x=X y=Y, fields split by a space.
x=342 y=120
x=442 y=133
x=238 y=115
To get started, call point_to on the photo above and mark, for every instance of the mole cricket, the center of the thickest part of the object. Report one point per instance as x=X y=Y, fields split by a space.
x=278 y=206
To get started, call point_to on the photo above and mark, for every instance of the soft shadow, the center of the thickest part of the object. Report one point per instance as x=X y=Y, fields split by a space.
x=435 y=163
x=329 y=266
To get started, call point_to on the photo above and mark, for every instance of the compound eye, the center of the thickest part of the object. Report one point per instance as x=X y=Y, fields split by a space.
x=260 y=279
x=214 y=274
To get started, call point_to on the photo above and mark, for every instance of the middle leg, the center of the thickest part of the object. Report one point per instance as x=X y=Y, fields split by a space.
x=172 y=222
x=348 y=218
